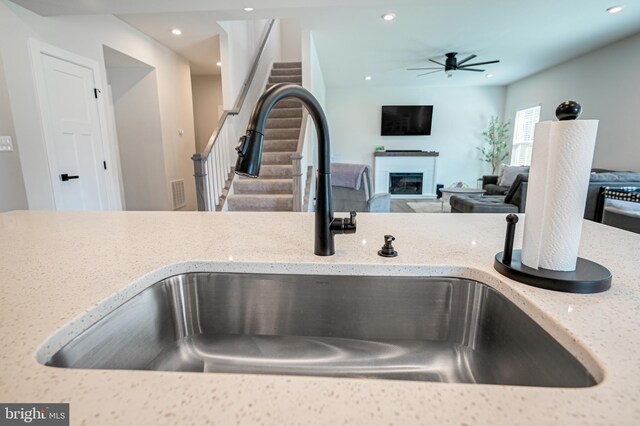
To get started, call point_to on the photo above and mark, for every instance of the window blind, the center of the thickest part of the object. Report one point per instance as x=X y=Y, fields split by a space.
x=523 y=135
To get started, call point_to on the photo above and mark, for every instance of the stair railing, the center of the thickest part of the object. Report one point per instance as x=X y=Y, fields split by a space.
x=212 y=167
x=299 y=166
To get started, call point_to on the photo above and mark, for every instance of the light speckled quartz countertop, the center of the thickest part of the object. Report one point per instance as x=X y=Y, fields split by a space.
x=68 y=269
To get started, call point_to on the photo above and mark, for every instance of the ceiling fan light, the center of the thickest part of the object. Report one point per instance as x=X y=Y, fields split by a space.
x=449 y=73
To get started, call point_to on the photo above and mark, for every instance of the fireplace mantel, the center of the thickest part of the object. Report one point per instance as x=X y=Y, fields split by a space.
x=422 y=162
x=406 y=154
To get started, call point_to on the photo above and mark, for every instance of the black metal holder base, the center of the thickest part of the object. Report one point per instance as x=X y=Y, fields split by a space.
x=589 y=277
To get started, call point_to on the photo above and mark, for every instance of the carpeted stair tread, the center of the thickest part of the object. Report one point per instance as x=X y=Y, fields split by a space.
x=287 y=71
x=286 y=112
x=280 y=145
x=279 y=65
x=260 y=202
x=271 y=134
x=270 y=85
x=285 y=79
x=271 y=158
x=284 y=123
x=288 y=103
x=263 y=186
x=273 y=172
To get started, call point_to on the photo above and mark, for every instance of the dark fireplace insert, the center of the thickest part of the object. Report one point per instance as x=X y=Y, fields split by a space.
x=405 y=183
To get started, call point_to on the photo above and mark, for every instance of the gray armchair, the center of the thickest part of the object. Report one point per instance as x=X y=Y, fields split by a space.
x=360 y=200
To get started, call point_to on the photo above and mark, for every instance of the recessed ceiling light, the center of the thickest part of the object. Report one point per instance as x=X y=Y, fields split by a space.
x=389 y=16
x=248 y=9
x=489 y=76
x=615 y=9
x=219 y=63
x=176 y=31
x=367 y=77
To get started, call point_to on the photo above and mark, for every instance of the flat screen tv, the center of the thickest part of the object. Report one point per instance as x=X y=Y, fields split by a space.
x=406 y=120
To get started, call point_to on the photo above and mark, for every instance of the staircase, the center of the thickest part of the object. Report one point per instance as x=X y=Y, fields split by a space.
x=273 y=190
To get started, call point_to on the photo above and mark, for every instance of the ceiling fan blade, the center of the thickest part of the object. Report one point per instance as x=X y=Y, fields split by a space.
x=436 y=62
x=470 y=69
x=420 y=75
x=480 y=63
x=417 y=69
x=468 y=58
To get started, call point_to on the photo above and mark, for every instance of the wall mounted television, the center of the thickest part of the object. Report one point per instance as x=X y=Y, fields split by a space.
x=406 y=120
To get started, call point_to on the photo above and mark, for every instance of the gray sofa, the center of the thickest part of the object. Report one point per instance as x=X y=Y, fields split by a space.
x=509 y=199
x=514 y=201
x=360 y=200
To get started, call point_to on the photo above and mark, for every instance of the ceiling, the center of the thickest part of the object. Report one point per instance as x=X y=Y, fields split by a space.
x=353 y=41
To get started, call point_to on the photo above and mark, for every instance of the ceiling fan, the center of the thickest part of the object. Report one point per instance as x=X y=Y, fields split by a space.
x=451 y=64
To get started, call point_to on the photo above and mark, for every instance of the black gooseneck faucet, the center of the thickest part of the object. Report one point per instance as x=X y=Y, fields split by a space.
x=250 y=154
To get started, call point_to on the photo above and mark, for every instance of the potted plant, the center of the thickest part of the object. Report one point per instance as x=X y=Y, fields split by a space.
x=495 y=149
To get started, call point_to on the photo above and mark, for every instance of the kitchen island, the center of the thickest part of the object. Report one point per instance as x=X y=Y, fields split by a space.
x=67 y=270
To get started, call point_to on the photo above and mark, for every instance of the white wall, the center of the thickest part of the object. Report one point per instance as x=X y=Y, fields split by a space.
x=606 y=83
x=237 y=50
x=12 y=193
x=312 y=75
x=85 y=36
x=460 y=115
x=137 y=116
x=313 y=81
x=243 y=41
x=290 y=40
x=207 y=98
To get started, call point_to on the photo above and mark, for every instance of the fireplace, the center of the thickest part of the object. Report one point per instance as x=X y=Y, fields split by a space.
x=393 y=166
x=405 y=183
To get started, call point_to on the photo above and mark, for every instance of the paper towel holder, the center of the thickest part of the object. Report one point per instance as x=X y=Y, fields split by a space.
x=589 y=277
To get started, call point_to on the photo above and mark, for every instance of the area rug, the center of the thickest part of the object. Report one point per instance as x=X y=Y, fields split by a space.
x=431 y=206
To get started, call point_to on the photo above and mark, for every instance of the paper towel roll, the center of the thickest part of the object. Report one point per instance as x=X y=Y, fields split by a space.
x=557 y=193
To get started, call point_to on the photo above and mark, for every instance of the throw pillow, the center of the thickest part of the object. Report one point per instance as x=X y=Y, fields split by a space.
x=502 y=166
x=509 y=174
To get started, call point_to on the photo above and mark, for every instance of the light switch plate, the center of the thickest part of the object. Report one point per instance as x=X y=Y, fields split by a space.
x=5 y=144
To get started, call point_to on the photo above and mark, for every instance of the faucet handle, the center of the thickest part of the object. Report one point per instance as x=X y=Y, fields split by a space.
x=352 y=218
x=341 y=225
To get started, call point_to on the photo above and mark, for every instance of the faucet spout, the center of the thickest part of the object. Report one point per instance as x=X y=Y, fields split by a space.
x=250 y=155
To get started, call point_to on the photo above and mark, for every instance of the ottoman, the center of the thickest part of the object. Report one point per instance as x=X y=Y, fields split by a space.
x=486 y=204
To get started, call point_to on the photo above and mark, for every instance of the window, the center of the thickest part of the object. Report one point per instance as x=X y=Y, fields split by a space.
x=524 y=129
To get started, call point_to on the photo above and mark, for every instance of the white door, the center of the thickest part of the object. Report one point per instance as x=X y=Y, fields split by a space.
x=69 y=108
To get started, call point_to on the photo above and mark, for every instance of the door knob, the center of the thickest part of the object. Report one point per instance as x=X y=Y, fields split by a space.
x=65 y=177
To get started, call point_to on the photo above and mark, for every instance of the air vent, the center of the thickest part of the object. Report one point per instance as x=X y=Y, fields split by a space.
x=177 y=193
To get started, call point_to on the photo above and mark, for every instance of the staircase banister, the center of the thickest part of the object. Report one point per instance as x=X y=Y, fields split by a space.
x=215 y=134
x=212 y=165
x=254 y=68
x=243 y=92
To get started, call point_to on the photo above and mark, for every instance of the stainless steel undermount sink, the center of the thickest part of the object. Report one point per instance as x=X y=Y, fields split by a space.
x=429 y=329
